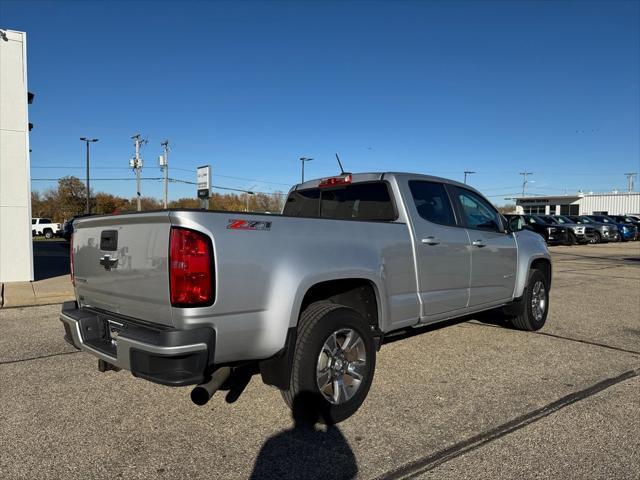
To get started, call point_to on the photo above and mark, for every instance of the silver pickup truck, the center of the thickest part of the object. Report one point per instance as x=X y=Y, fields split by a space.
x=304 y=298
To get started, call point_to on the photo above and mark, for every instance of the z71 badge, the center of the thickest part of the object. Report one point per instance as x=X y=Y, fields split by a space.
x=235 y=224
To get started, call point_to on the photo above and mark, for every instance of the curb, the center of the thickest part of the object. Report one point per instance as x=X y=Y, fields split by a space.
x=38 y=302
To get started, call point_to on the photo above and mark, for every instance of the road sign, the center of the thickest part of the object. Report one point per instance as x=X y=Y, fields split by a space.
x=204 y=181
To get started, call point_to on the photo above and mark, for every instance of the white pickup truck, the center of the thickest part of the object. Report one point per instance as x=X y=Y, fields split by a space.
x=305 y=298
x=44 y=226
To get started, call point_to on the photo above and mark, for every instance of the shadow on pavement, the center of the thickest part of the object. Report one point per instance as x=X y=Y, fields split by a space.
x=50 y=259
x=305 y=451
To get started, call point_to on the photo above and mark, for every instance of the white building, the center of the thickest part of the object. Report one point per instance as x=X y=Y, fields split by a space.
x=16 y=248
x=581 y=204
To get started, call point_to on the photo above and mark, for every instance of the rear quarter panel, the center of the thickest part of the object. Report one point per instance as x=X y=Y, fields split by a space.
x=263 y=275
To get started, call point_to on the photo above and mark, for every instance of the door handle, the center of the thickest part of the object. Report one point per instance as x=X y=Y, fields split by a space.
x=478 y=243
x=430 y=241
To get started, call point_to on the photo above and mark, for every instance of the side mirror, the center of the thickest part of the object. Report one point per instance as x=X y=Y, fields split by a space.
x=514 y=224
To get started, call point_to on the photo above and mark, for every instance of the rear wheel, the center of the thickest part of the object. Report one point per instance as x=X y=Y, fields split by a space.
x=536 y=303
x=48 y=233
x=333 y=364
x=597 y=238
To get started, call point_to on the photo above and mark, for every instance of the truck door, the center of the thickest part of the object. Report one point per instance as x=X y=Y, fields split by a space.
x=493 y=251
x=442 y=250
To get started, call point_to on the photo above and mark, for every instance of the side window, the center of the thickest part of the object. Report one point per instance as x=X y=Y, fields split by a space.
x=477 y=212
x=33 y=221
x=45 y=220
x=432 y=202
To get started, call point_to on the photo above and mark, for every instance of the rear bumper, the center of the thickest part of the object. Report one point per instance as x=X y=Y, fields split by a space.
x=161 y=355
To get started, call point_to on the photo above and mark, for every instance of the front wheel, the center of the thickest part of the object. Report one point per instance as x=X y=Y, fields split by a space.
x=597 y=238
x=536 y=303
x=571 y=239
x=333 y=363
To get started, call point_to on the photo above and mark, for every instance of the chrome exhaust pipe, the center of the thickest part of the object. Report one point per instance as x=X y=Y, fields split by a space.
x=202 y=393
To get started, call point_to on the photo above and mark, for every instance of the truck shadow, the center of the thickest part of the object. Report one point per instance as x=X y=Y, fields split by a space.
x=50 y=259
x=305 y=451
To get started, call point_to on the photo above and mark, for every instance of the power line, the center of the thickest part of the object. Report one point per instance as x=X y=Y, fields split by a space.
x=174 y=180
x=97 y=179
x=172 y=168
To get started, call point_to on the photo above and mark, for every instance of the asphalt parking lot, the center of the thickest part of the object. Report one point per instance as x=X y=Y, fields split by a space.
x=467 y=400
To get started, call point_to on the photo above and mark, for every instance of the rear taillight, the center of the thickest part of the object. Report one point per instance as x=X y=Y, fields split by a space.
x=190 y=268
x=73 y=278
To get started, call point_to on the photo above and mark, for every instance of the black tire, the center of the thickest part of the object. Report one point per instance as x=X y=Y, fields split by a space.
x=48 y=234
x=316 y=324
x=597 y=238
x=571 y=239
x=526 y=320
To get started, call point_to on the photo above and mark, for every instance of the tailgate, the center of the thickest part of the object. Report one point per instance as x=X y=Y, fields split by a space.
x=121 y=265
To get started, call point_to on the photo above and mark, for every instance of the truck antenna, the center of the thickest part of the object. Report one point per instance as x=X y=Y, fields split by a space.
x=342 y=172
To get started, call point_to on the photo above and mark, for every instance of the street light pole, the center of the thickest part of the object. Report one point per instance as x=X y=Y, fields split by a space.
x=467 y=172
x=87 y=208
x=303 y=160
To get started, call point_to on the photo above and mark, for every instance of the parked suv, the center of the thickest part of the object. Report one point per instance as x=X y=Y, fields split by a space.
x=577 y=233
x=604 y=232
x=627 y=231
x=552 y=234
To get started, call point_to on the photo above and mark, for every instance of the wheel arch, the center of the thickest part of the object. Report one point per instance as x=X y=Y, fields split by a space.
x=359 y=293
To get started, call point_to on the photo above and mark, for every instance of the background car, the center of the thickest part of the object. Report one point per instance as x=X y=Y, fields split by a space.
x=604 y=232
x=67 y=226
x=577 y=233
x=629 y=220
x=552 y=234
x=627 y=231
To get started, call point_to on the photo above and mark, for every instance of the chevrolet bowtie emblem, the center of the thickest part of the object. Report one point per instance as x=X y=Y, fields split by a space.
x=108 y=263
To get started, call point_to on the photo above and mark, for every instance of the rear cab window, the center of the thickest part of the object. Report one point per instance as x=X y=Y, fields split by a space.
x=358 y=201
x=432 y=202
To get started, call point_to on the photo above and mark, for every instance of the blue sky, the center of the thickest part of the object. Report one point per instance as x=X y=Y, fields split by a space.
x=431 y=87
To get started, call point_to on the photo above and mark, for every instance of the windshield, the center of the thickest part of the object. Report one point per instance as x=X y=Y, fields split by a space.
x=585 y=220
x=536 y=220
x=561 y=219
x=548 y=220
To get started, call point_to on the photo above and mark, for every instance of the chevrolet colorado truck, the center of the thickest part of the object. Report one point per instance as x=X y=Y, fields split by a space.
x=304 y=298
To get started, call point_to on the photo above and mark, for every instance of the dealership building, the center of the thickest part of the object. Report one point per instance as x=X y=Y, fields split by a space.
x=16 y=249
x=581 y=204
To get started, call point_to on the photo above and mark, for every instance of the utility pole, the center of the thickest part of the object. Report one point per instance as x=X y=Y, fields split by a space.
x=630 y=177
x=524 y=181
x=467 y=172
x=164 y=166
x=136 y=164
x=303 y=160
x=87 y=140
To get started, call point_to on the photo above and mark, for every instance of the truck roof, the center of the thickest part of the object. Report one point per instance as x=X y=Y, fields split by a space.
x=378 y=176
